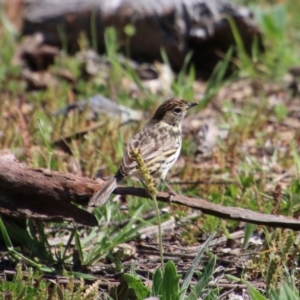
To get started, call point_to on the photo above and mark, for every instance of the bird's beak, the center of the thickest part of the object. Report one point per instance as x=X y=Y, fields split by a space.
x=192 y=105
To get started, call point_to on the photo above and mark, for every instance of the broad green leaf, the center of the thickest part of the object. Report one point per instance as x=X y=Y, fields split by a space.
x=254 y=293
x=141 y=291
x=157 y=282
x=248 y=233
x=170 y=282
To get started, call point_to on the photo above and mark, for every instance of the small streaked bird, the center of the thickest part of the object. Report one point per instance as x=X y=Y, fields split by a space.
x=159 y=143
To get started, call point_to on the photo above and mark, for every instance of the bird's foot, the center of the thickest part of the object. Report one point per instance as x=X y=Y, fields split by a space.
x=170 y=191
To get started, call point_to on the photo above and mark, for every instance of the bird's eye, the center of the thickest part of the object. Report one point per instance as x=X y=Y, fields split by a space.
x=177 y=111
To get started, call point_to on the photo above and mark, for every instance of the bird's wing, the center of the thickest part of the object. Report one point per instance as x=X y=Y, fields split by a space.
x=149 y=147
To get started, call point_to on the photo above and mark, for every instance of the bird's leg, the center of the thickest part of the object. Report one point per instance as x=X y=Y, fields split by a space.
x=170 y=190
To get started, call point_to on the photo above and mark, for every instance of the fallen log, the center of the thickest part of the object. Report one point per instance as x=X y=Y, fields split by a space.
x=49 y=195
x=177 y=26
x=43 y=194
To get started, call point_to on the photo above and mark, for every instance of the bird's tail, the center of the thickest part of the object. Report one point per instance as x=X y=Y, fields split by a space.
x=103 y=193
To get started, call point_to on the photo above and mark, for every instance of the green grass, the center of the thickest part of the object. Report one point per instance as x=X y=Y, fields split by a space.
x=245 y=159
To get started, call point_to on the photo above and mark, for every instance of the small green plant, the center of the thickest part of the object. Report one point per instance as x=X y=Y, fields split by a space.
x=274 y=258
x=30 y=286
x=285 y=292
x=166 y=282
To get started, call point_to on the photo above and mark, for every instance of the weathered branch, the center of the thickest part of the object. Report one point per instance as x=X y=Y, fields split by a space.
x=48 y=195
x=43 y=194
x=225 y=212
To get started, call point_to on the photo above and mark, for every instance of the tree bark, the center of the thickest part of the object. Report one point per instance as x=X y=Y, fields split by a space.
x=43 y=194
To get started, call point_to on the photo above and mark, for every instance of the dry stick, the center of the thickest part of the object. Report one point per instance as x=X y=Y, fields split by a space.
x=225 y=212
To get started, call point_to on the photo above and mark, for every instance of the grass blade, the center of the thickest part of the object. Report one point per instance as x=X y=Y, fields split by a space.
x=188 y=277
x=203 y=280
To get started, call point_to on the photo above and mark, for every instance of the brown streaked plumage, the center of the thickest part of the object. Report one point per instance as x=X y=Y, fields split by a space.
x=159 y=142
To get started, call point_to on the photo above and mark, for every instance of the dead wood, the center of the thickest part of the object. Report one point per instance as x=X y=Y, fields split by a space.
x=225 y=212
x=178 y=26
x=43 y=194
x=48 y=195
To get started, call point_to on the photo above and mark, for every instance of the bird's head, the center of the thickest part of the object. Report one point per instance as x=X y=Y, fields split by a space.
x=173 y=111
